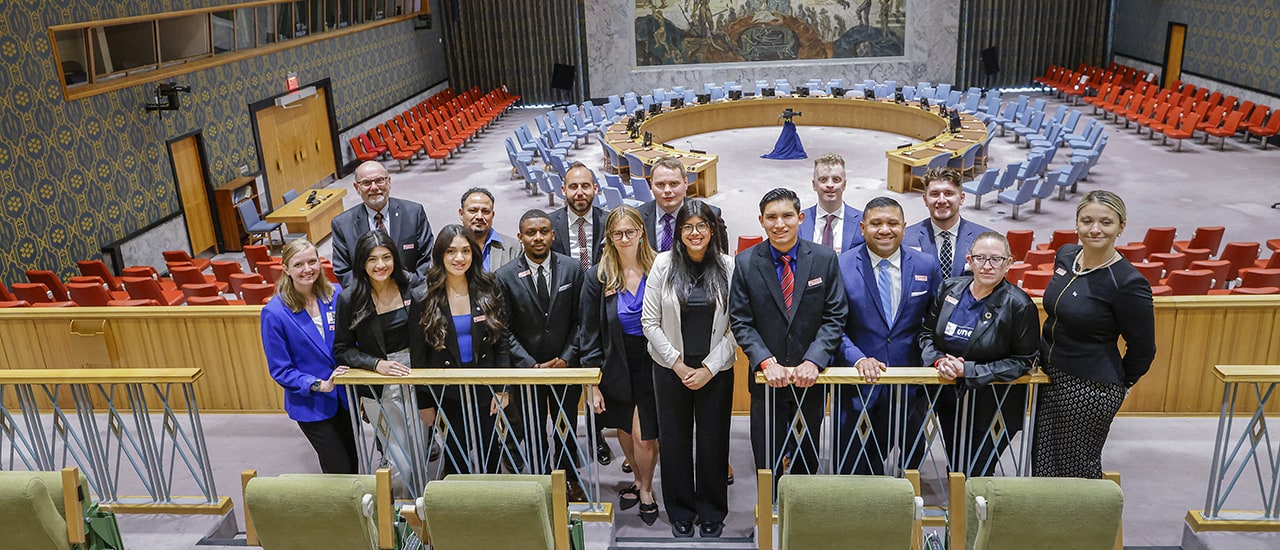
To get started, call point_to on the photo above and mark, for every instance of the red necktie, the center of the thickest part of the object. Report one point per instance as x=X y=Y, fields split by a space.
x=584 y=254
x=377 y=223
x=788 y=281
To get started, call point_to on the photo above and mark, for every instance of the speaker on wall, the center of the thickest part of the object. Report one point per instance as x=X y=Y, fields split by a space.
x=562 y=77
x=990 y=60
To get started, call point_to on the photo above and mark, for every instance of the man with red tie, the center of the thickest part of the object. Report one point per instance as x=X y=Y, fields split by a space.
x=402 y=220
x=787 y=310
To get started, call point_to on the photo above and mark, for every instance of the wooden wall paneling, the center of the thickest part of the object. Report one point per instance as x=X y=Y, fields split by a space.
x=1196 y=343
x=1245 y=335
x=741 y=377
x=274 y=153
x=1151 y=392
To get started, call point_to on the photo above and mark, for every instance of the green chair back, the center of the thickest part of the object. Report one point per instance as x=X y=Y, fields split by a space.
x=494 y=514
x=28 y=517
x=1043 y=513
x=820 y=512
x=309 y=512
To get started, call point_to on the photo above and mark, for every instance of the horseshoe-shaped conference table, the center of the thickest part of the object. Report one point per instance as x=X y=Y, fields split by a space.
x=906 y=119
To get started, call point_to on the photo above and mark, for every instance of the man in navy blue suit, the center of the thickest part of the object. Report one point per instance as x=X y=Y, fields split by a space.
x=786 y=309
x=889 y=288
x=944 y=234
x=831 y=222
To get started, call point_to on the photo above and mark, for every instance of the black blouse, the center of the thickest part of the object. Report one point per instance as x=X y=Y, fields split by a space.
x=1088 y=314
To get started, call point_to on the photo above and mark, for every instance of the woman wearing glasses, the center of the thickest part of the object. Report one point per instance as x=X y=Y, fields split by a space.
x=1095 y=298
x=981 y=329
x=686 y=321
x=612 y=339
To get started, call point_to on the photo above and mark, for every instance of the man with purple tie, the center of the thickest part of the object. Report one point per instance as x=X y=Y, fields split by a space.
x=670 y=186
x=831 y=222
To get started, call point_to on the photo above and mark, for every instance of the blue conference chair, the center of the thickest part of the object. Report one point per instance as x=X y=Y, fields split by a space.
x=1020 y=196
x=1044 y=189
x=614 y=198
x=259 y=231
x=1068 y=176
x=981 y=186
x=640 y=189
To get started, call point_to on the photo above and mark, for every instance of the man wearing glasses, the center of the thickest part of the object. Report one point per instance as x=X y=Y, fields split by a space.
x=404 y=221
x=944 y=234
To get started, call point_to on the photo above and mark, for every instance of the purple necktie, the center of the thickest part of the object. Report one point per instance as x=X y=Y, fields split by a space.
x=828 y=231
x=667 y=230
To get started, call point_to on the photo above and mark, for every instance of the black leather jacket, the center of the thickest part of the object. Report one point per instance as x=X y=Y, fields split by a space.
x=1004 y=345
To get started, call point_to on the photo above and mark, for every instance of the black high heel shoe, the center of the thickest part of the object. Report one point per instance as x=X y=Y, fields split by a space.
x=628 y=498
x=649 y=513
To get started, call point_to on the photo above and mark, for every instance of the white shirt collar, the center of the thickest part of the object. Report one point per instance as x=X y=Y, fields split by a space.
x=839 y=213
x=895 y=259
x=938 y=231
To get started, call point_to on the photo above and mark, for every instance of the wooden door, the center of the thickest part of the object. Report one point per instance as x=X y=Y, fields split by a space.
x=297 y=145
x=1174 y=43
x=189 y=173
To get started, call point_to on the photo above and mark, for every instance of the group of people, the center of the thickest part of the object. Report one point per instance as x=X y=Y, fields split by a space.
x=652 y=297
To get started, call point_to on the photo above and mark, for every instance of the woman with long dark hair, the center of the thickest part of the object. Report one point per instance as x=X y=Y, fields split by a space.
x=460 y=326
x=612 y=339
x=686 y=319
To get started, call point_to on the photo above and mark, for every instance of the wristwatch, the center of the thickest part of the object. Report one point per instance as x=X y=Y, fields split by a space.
x=315 y=386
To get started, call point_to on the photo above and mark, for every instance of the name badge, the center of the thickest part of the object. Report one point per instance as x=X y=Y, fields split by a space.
x=407 y=302
x=564 y=287
x=408 y=246
x=523 y=274
x=330 y=319
x=922 y=278
x=951 y=300
x=478 y=319
x=815 y=282
x=1060 y=271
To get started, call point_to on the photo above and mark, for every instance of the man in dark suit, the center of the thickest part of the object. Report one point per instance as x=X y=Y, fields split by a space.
x=579 y=226
x=404 y=221
x=546 y=286
x=944 y=234
x=476 y=214
x=580 y=221
x=670 y=186
x=831 y=222
x=786 y=309
x=889 y=288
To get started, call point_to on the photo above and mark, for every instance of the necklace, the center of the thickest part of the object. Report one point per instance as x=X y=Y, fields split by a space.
x=1077 y=270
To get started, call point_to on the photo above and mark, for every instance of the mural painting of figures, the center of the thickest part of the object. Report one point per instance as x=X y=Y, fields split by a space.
x=674 y=32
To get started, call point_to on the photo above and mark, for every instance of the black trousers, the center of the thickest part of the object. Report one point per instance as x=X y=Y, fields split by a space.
x=853 y=454
x=985 y=448
x=550 y=402
x=695 y=469
x=787 y=403
x=334 y=442
x=465 y=422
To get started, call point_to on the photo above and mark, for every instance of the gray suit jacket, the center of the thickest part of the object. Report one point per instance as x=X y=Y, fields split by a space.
x=505 y=249
x=408 y=225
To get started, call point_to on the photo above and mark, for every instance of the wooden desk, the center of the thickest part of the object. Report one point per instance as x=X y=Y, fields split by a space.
x=312 y=220
x=885 y=116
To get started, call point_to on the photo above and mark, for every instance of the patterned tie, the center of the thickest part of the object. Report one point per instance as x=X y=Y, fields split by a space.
x=885 y=285
x=584 y=253
x=945 y=253
x=668 y=227
x=544 y=293
x=828 y=231
x=377 y=223
x=788 y=281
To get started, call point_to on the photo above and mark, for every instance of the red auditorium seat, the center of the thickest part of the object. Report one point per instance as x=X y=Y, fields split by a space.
x=38 y=295
x=748 y=241
x=1020 y=241
x=96 y=268
x=7 y=300
x=224 y=269
x=1037 y=258
x=149 y=272
x=1060 y=237
x=189 y=275
x=182 y=256
x=1172 y=261
x=145 y=288
x=255 y=254
x=1188 y=282
x=257 y=294
x=1240 y=255
x=1158 y=240
x=50 y=281
x=1151 y=271
x=92 y=294
x=1015 y=272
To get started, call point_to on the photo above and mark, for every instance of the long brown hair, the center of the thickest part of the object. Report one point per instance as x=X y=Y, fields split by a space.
x=480 y=285
x=610 y=269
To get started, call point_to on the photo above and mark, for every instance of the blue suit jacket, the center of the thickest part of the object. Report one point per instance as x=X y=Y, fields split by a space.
x=919 y=236
x=851 y=233
x=867 y=333
x=298 y=355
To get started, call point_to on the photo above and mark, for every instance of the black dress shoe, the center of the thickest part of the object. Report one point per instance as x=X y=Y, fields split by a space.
x=604 y=454
x=626 y=466
x=649 y=514
x=682 y=529
x=730 y=480
x=709 y=530
x=573 y=492
x=628 y=498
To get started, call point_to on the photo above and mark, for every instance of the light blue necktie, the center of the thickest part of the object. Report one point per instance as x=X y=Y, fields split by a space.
x=885 y=286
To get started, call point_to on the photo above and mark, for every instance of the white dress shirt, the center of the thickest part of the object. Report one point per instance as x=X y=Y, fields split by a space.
x=895 y=274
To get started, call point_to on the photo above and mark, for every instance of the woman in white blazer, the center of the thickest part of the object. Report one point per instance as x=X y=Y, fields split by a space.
x=686 y=320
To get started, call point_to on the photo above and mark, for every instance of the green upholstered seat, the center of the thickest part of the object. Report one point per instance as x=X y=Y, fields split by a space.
x=53 y=480
x=490 y=512
x=29 y=518
x=1042 y=513
x=309 y=512
x=818 y=512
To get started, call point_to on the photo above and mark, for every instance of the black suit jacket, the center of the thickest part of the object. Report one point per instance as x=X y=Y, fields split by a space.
x=600 y=340
x=758 y=315
x=408 y=225
x=1004 y=344
x=488 y=350
x=362 y=346
x=560 y=224
x=649 y=211
x=538 y=334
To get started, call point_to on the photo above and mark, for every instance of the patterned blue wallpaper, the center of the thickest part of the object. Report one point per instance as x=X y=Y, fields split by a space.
x=1233 y=41
x=80 y=174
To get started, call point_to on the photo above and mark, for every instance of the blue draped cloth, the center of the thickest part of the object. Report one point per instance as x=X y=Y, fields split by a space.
x=788 y=146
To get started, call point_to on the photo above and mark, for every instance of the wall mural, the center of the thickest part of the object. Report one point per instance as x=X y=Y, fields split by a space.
x=675 y=32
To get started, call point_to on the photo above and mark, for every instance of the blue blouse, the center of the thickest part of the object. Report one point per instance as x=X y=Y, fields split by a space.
x=629 y=309
x=462 y=325
x=964 y=319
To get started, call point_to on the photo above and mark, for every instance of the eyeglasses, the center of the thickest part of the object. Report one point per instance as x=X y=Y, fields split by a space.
x=624 y=234
x=380 y=182
x=700 y=227
x=985 y=260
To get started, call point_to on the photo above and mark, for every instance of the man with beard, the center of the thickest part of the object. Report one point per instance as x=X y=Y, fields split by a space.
x=404 y=221
x=546 y=285
x=476 y=214
x=944 y=234
x=579 y=226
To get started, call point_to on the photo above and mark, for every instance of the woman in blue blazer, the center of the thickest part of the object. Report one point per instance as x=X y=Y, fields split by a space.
x=297 y=335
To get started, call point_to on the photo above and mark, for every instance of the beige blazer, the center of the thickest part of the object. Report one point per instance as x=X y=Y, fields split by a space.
x=661 y=320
